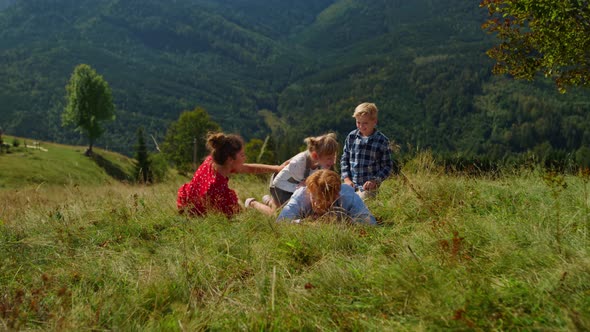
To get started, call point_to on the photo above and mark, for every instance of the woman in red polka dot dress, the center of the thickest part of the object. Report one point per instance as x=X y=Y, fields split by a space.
x=209 y=190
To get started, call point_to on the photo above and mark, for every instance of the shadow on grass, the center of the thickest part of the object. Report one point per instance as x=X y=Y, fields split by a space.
x=110 y=168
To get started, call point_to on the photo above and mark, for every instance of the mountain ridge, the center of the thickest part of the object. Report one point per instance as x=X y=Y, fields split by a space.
x=308 y=62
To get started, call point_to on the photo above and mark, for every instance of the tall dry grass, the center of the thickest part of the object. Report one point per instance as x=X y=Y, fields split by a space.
x=452 y=253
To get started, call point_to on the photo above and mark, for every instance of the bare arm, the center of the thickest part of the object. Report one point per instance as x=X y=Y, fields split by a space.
x=259 y=168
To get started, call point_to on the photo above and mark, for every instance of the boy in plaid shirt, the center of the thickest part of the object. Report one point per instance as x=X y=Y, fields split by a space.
x=366 y=159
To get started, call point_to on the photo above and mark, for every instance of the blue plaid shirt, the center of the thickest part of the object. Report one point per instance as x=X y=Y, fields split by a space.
x=366 y=158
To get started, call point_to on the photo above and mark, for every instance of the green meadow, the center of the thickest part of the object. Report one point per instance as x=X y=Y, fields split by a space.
x=40 y=163
x=84 y=251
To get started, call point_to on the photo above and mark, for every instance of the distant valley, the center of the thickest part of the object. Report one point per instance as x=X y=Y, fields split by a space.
x=290 y=69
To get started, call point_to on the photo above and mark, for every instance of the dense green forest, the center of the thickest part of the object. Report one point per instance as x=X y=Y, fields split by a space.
x=290 y=69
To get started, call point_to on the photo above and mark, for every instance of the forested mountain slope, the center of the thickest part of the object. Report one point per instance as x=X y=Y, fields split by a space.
x=158 y=58
x=307 y=62
x=5 y=3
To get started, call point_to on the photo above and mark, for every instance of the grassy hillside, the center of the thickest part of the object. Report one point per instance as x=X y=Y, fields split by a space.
x=37 y=163
x=453 y=253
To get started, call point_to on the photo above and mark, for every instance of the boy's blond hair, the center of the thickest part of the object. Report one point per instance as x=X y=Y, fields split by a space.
x=369 y=109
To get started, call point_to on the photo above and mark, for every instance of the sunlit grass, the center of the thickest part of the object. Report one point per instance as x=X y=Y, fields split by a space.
x=457 y=253
x=42 y=163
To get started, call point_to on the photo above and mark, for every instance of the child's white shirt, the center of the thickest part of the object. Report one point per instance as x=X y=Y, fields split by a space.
x=292 y=175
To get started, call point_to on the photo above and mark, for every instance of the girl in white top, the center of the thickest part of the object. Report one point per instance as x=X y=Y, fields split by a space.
x=320 y=154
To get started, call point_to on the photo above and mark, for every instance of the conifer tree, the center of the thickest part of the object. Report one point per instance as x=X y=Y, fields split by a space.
x=143 y=171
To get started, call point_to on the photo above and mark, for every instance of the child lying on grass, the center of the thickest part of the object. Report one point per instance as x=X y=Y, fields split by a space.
x=324 y=195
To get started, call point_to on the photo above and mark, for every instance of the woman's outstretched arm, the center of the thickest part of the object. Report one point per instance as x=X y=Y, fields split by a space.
x=261 y=168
